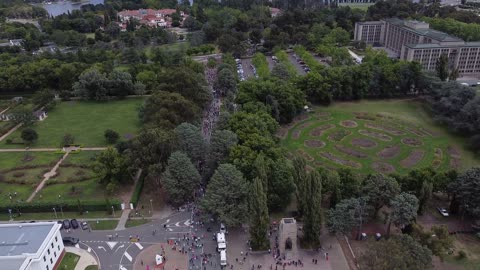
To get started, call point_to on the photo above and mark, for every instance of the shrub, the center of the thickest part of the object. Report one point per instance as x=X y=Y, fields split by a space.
x=111 y=136
x=461 y=255
x=9 y=141
x=261 y=65
x=68 y=139
x=18 y=174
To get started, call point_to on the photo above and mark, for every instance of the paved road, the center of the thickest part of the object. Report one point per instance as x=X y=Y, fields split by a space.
x=271 y=63
x=115 y=250
x=247 y=68
x=296 y=64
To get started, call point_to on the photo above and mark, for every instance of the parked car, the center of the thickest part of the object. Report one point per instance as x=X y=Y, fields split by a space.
x=66 y=224
x=84 y=225
x=443 y=211
x=70 y=241
x=223 y=229
x=74 y=223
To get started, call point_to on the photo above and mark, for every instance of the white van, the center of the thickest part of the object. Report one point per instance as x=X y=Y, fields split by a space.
x=223 y=258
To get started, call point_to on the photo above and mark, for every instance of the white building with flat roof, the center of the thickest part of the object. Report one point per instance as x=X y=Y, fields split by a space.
x=31 y=246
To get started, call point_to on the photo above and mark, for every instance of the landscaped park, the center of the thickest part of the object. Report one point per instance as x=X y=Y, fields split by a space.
x=393 y=137
x=73 y=184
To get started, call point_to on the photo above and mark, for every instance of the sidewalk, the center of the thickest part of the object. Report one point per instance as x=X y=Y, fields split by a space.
x=85 y=260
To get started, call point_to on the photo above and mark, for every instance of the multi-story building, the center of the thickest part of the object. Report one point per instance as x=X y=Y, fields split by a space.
x=415 y=41
x=151 y=17
x=31 y=246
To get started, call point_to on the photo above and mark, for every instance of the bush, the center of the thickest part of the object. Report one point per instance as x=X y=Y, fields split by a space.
x=461 y=255
x=138 y=190
x=68 y=206
x=68 y=139
x=111 y=136
x=18 y=174
x=261 y=65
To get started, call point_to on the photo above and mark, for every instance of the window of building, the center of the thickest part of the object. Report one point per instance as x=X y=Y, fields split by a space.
x=51 y=260
x=55 y=254
x=58 y=247
x=44 y=259
x=51 y=245
x=56 y=239
x=48 y=251
x=48 y=268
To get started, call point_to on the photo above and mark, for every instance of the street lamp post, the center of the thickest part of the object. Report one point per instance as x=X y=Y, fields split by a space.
x=55 y=211
x=10 y=213
x=151 y=205
x=113 y=211
x=61 y=205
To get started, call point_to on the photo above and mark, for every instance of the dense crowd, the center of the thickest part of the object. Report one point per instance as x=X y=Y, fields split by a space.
x=212 y=112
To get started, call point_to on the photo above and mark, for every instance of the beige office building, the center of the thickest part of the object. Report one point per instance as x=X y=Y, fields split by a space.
x=415 y=41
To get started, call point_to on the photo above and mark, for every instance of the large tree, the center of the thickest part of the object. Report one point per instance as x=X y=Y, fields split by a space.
x=226 y=198
x=442 y=67
x=180 y=179
x=347 y=215
x=167 y=110
x=29 y=135
x=259 y=219
x=404 y=210
x=111 y=168
x=191 y=142
x=400 y=252
x=466 y=190
x=220 y=143
x=380 y=189
x=437 y=239
x=300 y=180
x=91 y=85
x=312 y=216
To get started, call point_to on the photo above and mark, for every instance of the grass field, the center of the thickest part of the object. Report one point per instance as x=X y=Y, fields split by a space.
x=84 y=190
x=136 y=222
x=20 y=159
x=394 y=124
x=87 y=122
x=103 y=224
x=69 y=261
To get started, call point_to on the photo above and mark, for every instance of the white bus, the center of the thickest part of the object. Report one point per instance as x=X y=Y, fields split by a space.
x=223 y=257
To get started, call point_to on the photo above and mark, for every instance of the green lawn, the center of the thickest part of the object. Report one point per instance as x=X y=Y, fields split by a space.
x=87 y=122
x=92 y=267
x=23 y=192
x=20 y=159
x=26 y=176
x=396 y=113
x=69 y=261
x=136 y=222
x=84 y=190
x=51 y=215
x=103 y=224
x=80 y=158
x=471 y=246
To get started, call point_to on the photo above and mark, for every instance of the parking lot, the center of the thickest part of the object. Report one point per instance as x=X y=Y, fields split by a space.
x=245 y=69
x=297 y=62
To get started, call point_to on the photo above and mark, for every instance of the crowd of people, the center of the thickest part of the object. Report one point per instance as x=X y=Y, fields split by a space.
x=212 y=112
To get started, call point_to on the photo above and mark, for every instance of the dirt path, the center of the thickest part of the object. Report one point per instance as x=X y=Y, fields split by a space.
x=10 y=132
x=47 y=176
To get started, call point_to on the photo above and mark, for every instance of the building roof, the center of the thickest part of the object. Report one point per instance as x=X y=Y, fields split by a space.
x=371 y=22
x=18 y=239
x=423 y=29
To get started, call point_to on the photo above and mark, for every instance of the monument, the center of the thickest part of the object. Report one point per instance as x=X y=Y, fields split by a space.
x=288 y=238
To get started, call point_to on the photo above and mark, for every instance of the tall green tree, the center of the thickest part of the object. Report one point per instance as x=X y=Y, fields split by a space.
x=348 y=214
x=29 y=135
x=442 y=67
x=465 y=191
x=180 y=179
x=226 y=197
x=191 y=142
x=259 y=219
x=300 y=180
x=437 y=239
x=91 y=85
x=220 y=143
x=398 y=252
x=312 y=222
x=404 y=210
x=111 y=169
x=380 y=189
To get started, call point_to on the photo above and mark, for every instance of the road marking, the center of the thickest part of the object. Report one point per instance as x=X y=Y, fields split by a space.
x=89 y=250
x=187 y=223
x=112 y=244
x=170 y=229
x=122 y=268
x=128 y=256
x=100 y=247
x=177 y=224
x=77 y=246
x=139 y=246
x=119 y=247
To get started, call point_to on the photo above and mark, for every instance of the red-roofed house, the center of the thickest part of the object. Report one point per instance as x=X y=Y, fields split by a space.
x=275 y=12
x=150 y=17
